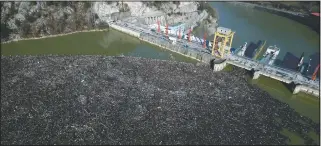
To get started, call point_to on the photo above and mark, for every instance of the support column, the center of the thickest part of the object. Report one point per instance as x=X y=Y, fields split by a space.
x=219 y=66
x=256 y=75
x=297 y=89
x=213 y=45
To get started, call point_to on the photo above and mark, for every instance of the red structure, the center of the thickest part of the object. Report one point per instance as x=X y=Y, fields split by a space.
x=179 y=33
x=316 y=14
x=189 y=35
x=314 y=76
x=166 y=29
x=158 y=29
x=204 y=43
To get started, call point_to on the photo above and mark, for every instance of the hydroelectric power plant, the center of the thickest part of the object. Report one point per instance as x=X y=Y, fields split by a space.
x=218 y=53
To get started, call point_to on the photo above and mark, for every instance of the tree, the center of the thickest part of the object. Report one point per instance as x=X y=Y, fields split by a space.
x=103 y=25
x=176 y=2
x=203 y=6
x=87 y=4
x=5 y=31
x=26 y=29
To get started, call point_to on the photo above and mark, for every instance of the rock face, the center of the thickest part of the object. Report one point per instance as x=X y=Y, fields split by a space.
x=120 y=100
x=36 y=19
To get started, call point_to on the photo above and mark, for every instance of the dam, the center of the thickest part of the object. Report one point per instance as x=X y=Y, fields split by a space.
x=194 y=50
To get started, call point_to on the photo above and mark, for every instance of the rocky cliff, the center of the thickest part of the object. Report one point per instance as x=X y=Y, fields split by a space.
x=37 y=19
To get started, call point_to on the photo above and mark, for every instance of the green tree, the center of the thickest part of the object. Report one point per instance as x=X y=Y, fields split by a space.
x=5 y=31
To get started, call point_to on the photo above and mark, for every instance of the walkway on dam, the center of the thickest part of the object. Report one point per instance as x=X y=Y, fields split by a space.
x=275 y=72
x=281 y=74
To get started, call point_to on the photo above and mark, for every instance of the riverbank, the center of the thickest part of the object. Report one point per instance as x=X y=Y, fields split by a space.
x=146 y=93
x=57 y=35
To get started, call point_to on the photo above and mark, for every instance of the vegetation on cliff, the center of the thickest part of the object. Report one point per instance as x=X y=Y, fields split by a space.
x=210 y=10
x=36 y=19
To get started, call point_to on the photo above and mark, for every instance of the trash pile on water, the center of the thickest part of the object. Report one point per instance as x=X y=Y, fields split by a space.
x=127 y=100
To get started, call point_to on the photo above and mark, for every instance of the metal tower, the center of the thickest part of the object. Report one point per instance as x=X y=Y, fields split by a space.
x=222 y=42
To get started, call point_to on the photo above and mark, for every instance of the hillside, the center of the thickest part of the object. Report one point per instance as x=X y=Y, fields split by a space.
x=36 y=19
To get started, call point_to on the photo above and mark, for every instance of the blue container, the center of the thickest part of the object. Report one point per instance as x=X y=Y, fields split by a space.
x=207 y=43
x=232 y=50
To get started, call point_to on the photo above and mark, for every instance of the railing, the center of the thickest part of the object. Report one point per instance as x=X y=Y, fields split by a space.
x=282 y=69
x=273 y=70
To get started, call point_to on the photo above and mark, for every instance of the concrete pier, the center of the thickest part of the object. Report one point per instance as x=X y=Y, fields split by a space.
x=125 y=30
x=218 y=65
x=256 y=74
x=305 y=89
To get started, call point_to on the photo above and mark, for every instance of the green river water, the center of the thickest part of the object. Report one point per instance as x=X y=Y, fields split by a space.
x=249 y=24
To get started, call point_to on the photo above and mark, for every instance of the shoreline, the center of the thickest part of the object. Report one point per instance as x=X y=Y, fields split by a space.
x=52 y=36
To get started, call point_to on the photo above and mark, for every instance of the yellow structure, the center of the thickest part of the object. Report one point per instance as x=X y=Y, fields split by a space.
x=222 y=42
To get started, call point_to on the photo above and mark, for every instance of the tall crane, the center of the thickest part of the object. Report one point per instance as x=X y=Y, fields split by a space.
x=222 y=42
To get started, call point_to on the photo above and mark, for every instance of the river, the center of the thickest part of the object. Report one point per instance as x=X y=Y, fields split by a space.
x=111 y=43
x=249 y=24
x=253 y=25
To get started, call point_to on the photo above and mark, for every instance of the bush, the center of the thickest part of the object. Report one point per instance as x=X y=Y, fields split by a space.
x=204 y=6
x=55 y=3
x=157 y=4
x=87 y=5
x=31 y=18
x=103 y=25
x=33 y=3
x=5 y=31
x=26 y=28
x=13 y=10
x=176 y=2
x=124 y=8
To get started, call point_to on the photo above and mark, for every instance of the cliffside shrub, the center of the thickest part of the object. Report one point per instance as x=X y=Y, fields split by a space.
x=204 y=6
